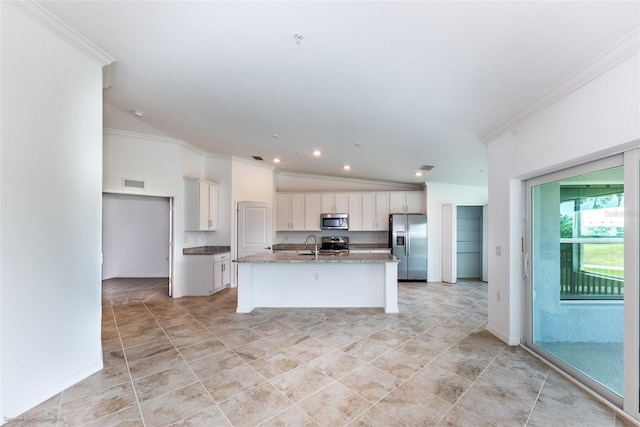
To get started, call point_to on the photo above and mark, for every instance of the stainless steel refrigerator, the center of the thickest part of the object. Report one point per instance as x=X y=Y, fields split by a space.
x=408 y=242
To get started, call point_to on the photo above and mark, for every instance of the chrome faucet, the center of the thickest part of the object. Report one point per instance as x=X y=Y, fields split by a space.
x=315 y=242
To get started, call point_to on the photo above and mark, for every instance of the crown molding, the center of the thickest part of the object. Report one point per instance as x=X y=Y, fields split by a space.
x=156 y=138
x=56 y=26
x=622 y=50
x=399 y=185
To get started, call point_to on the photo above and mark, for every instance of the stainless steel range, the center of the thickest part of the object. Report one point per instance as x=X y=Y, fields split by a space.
x=334 y=245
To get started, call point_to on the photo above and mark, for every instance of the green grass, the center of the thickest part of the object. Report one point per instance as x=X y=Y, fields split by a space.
x=599 y=257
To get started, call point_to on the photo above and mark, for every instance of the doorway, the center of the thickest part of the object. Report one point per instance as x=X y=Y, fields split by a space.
x=582 y=277
x=464 y=242
x=137 y=237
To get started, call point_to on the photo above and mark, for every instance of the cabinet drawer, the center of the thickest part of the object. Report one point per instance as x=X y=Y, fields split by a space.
x=221 y=257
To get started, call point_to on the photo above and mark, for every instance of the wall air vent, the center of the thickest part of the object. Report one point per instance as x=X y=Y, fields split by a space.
x=257 y=158
x=425 y=167
x=132 y=183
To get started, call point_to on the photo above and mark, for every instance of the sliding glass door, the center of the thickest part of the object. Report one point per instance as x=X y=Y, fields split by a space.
x=578 y=229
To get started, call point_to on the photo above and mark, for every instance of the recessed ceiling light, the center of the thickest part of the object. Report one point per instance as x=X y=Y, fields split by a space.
x=317 y=153
x=346 y=167
x=275 y=135
x=138 y=113
x=418 y=173
x=358 y=144
x=276 y=160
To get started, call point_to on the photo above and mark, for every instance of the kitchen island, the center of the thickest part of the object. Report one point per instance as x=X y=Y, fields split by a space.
x=309 y=281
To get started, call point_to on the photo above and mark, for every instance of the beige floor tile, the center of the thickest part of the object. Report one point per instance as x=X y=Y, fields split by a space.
x=443 y=384
x=215 y=364
x=49 y=409
x=334 y=405
x=175 y=406
x=410 y=366
x=375 y=417
x=144 y=338
x=336 y=364
x=414 y=406
x=255 y=405
x=202 y=349
x=398 y=364
x=290 y=417
x=339 y=338
x=366 y=349
x=289 y=338
x=460 y=418
x=210 y=417
x=163 y=382
x=156 y=363
x=482 y=400
x=256 y=350
x=232 y=381
x=311 y=349
x=106 y=378
x=371 y=383
x=149 y=349
x=276 y=364
x=97 y=405
x=301 y=382
x=127 y=417
x=558 y=393
x=240 y=338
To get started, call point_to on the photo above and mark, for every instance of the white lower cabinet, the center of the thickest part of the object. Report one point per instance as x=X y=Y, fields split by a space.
x=221 y=271
x=206 y=274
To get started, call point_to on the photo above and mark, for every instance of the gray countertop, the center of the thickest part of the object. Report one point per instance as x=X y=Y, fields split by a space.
x=301 y=246
x=288 y=258
x=206 y=250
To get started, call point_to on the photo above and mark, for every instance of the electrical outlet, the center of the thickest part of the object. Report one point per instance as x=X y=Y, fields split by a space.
x=498 y=296
x=499 y=250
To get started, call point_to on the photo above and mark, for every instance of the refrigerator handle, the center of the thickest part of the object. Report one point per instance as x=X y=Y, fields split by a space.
x=407 y=247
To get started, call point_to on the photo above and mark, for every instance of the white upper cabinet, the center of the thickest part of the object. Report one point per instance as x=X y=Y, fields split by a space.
x=201 y=205
x=291 y=213
x=375 y=211
x=355 y=211
x=312 y=212
x=410 y=202
x=335 y=203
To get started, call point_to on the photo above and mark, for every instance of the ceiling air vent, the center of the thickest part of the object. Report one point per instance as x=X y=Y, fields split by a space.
x=257 y=158
x=132 y=183
x=425 y=167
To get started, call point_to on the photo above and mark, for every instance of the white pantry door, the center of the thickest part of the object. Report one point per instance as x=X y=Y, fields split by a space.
x=449 y=255
x=254 y=228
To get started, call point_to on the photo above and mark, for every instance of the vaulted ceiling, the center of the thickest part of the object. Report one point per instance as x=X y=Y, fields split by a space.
x=385 y=87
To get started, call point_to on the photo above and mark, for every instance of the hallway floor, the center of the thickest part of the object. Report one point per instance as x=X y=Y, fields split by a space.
x=194 y=361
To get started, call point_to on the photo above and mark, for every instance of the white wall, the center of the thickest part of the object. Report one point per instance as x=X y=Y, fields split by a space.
x=598 y=119
x=135 y=236
x=50 y=217
x=438 y=195
x=162 y=163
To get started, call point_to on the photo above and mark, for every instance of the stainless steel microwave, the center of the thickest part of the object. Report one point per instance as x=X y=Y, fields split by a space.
x=334 y=221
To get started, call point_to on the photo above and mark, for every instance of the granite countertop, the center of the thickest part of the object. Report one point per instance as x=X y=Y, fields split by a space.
x=289 y=258
x=302 y=247
x=206 y=250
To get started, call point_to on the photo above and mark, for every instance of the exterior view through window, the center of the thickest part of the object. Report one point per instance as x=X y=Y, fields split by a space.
x=577 y=274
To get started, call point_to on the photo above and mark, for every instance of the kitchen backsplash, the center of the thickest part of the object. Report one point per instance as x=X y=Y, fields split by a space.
x=354 y=236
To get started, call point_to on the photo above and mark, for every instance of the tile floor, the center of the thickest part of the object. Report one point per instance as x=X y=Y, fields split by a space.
x=195 y=362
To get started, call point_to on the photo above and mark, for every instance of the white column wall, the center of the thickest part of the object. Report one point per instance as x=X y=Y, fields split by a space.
x=596 y=120
x=50 y=213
